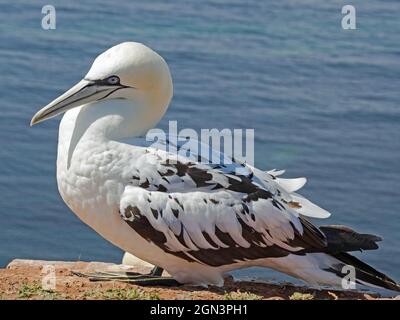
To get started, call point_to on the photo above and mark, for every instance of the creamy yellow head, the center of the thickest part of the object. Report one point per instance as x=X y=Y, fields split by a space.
x=129 y=70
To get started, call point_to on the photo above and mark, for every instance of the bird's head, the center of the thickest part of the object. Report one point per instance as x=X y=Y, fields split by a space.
x=129 y=70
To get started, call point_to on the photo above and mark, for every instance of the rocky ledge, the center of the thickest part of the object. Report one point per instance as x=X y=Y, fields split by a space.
x=35 y=279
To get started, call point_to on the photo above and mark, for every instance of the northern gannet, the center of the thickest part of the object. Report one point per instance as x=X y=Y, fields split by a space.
x=196 y=220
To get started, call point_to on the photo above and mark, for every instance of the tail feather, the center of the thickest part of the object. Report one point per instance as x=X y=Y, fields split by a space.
x=365 y=274
x=343 y=239
x=325 y=267
x=340 y=240
x=319 y=268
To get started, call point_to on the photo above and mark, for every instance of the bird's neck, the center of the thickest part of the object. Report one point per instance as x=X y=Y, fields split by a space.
x=103 y=121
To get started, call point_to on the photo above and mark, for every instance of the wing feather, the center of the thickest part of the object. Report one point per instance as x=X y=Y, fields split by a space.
x=219 y=214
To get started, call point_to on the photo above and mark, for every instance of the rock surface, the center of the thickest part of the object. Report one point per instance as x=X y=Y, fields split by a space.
x=37 y=279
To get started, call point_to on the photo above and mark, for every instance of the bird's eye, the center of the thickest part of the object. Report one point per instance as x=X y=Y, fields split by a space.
x=113 y=80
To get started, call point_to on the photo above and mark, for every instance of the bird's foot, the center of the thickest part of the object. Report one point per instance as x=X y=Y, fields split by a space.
x=154 y=278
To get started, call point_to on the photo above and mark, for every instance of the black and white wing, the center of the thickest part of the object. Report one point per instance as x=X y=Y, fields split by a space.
x=214 y=214
x=219 y=215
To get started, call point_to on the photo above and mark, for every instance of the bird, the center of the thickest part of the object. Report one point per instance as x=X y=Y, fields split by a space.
x=196 y=219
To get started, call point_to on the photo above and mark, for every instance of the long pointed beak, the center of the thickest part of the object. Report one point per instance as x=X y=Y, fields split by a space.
x=83 y=92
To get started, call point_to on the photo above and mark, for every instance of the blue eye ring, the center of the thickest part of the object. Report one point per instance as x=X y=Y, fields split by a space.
x=113 y=80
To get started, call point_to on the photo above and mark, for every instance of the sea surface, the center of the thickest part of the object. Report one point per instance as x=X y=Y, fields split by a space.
x=324 y=103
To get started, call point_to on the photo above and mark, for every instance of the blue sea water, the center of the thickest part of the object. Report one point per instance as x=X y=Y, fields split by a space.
x=324 y=103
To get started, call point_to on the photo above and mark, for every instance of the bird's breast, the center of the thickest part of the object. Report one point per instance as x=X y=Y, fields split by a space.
x=90 y=178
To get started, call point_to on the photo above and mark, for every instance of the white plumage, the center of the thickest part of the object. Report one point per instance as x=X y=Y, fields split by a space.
x=195 y=219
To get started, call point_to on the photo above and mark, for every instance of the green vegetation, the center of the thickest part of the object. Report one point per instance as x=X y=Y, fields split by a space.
x=241 y=296
x=301 y=296
x=121 y=294
x=29 y=290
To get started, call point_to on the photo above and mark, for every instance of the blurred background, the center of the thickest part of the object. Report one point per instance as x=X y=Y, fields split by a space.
x=324 y=103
